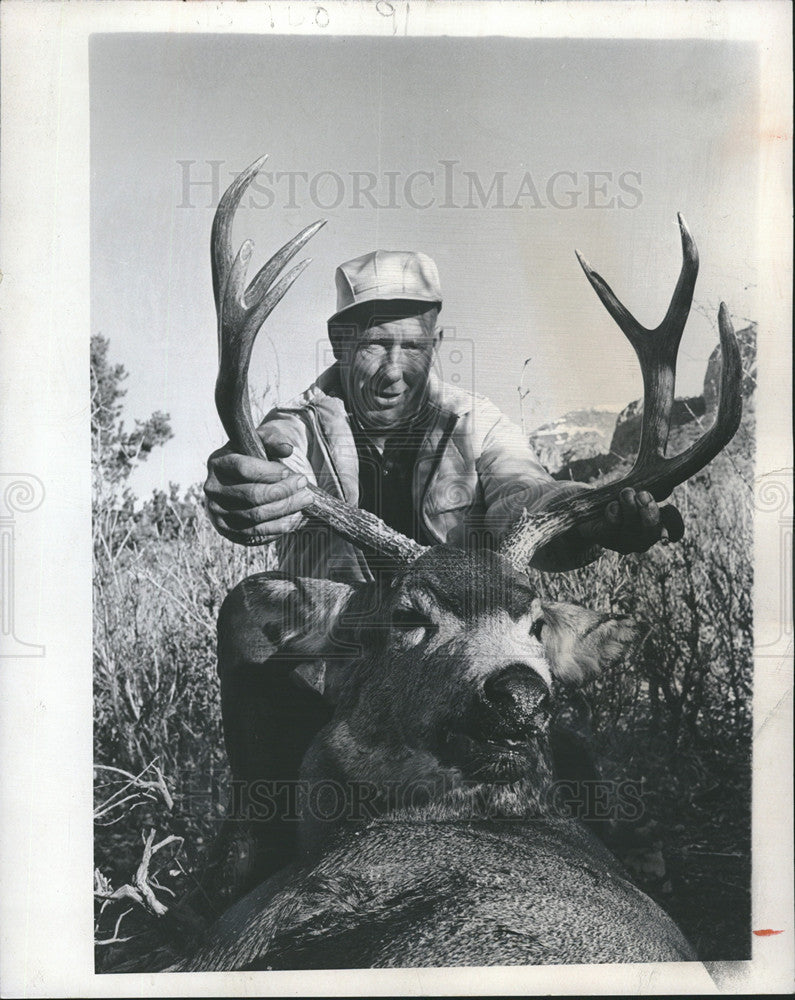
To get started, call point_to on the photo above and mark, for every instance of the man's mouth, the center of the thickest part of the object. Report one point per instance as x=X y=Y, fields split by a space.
x=386 y=400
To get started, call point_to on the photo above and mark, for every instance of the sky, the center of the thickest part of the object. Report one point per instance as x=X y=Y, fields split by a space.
x=497 y=157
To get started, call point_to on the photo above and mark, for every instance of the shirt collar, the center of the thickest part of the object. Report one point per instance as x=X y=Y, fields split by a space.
x=406 y=437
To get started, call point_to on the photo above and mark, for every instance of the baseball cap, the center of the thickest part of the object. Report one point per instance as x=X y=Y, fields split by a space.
x=386 y=275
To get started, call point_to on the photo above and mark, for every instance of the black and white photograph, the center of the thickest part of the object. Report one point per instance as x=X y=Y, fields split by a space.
x=413 y=485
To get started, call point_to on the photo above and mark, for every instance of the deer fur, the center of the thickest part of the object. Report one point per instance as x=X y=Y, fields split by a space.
x=458 y=858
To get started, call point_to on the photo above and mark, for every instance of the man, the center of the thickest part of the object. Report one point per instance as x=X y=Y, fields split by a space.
x=381 y=431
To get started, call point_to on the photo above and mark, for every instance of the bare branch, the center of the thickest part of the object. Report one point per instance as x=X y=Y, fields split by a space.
x=115 y=939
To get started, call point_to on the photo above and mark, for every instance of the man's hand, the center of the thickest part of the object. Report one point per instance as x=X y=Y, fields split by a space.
x=633 y=523
x=251 y=501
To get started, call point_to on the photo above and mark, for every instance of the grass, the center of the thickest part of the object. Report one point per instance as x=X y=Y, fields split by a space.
x=678 y=717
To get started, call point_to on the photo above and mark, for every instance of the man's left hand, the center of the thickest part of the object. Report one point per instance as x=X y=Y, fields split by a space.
x=633 y=523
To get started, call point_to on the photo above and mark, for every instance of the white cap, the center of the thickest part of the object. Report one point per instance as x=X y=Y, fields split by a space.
x=387 y=274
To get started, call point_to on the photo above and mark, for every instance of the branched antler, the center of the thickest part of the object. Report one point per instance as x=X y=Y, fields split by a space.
x=652 y=471
x=242 y=309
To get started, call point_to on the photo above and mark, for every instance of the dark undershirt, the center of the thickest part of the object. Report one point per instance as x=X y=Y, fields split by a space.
x=386 y=480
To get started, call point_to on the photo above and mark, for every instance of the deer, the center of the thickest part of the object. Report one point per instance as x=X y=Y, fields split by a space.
x=445 y=844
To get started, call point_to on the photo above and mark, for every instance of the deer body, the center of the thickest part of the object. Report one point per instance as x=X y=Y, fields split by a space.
x=415 y=892
x=442 y=729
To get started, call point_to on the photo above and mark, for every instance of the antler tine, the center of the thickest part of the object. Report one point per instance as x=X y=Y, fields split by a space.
x=682 y=299
x=263 y=278
x=221 y=237
x=678 y=310
x=240 y=316
x=656 y=351
x=729 y=412
x=241 y=312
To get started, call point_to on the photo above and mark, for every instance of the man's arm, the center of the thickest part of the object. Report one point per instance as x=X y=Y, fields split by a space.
x=514 y=480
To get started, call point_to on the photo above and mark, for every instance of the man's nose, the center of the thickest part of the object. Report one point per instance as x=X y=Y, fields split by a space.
x=392 y=370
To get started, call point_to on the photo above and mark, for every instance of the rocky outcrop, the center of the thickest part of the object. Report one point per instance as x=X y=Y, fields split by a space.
x=747 y=341
x=580 y=434
x=576 y=447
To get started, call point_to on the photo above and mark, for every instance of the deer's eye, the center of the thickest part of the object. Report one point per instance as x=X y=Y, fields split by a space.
x=537 y=628
x=409 y=619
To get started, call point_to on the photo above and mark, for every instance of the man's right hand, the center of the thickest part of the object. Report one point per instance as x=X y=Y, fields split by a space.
x=252 y=501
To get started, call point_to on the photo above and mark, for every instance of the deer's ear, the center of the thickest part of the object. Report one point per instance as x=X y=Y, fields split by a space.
x=268 y=613
x=580 y=643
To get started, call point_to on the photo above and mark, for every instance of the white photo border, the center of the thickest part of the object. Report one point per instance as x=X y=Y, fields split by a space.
x=46 y=922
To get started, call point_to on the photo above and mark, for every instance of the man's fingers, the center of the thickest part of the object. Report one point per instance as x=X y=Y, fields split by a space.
x=279 y=449
x=634 y=522
x=648 y=510
x=275 y=445
x=248 y=495
x=251 y=501
x=262 y=533
x=628 y=501
x=231 y=469
x=266 y=513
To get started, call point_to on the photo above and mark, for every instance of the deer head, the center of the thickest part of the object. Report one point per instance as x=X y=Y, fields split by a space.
x=447 y=703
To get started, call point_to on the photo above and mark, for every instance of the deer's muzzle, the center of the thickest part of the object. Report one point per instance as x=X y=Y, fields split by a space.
x=519 y=698
x=502 y=735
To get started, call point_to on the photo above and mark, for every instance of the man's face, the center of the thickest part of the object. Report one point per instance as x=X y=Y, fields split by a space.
x=385 y=367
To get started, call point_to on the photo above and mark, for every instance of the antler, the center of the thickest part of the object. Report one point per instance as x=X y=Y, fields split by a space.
x=656 y=351
x=242 y=309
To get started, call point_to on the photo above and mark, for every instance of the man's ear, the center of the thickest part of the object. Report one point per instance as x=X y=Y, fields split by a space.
x=335 y=347
x=580 y=643
x=342 y=337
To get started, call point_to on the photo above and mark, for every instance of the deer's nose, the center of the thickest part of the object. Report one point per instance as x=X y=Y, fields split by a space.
x=518 y=692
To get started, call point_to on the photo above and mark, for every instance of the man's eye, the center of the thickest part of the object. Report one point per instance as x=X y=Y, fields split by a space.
x=408 y=619
x=371 y=350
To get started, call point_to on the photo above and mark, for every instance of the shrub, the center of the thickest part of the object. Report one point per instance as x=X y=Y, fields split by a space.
x=677 y=716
